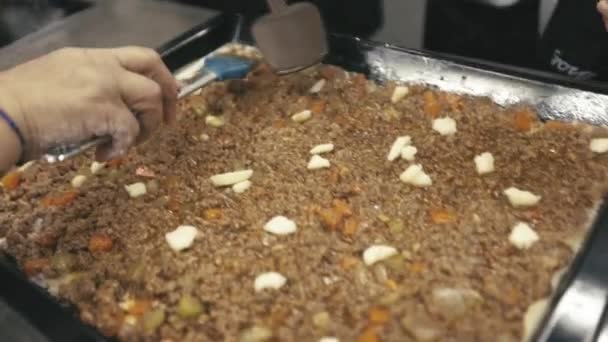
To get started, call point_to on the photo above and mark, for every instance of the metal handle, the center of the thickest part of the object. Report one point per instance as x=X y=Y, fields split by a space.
x=64 y=152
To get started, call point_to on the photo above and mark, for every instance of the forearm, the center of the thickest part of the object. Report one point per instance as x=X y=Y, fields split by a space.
x=10 y=145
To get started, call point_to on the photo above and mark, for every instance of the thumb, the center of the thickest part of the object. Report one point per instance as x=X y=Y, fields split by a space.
x=124 y=129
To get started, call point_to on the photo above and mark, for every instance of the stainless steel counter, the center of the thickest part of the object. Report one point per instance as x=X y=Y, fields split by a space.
x=109 y=23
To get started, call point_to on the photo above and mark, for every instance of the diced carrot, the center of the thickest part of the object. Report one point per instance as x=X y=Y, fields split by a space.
x=329 y=72
x=213 y=214
x=278 y=315
x=11 y=180
x=330 y=218
x=116 y=162
x=368 y=335
x=432 y=107
x=379 y=315
x=533 y=215
x=334 y=176
x=512 y=296
x=348 y=262
x=100 y=242
x=60 y=199
x=172 y=182
x=143 y=171
x=140 y=307
x=174 y=204
x=47 y=239
x=454 y=101
x=442 y=216
x=359 y=81
x=342 y=208
x=318 y=106
x=340 y=120
x=417 y=267
x=558 y=125
x=279 y=123
x=524 y=119
x=34 y=266
x=391 y=284
x=351 y=226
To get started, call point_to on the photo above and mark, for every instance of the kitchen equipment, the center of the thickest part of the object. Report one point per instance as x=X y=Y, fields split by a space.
x=217 y=68
x=553 y=96
x=291 y=38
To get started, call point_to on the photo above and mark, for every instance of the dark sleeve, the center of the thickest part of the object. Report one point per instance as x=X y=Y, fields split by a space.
x=575 y=42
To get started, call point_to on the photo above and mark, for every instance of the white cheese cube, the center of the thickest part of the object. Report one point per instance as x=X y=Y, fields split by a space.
x=523 y=236
x=484 y=163
x=317 y=87
x=302 y=116
x=445 y=126
x=241 y=186
x=399 y=93
x=520 y=198
x=376 y=253
x=181 y=238
x=78 y=181
x=416 y=176
x=398 y=146
x=136 y=189
x=231 y=178
x=280 y=225
x=409 y=153
x=96 y=167
x=599 y=145
x=269 y=280
x=323 y=148
x=317 y=162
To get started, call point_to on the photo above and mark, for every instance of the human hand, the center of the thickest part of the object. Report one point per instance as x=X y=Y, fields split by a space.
x=602 y=7
x=72 y=95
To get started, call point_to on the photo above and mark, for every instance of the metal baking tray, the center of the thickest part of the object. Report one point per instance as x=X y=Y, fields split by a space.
x=577 y=309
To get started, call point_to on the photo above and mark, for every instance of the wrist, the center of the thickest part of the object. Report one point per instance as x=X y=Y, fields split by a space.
x=10 y=105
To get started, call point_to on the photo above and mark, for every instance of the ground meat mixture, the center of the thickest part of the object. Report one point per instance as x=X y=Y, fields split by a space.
x=446 y=267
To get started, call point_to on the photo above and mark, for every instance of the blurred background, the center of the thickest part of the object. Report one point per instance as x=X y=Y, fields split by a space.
x=505 y=31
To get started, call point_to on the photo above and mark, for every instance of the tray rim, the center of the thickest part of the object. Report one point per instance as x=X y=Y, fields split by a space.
x=235 y=25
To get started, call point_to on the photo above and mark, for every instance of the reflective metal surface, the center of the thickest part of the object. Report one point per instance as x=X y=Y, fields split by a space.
x=553 y=102
x=109 y=23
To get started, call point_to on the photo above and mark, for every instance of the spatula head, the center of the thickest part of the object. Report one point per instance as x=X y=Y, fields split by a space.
x=292 y=39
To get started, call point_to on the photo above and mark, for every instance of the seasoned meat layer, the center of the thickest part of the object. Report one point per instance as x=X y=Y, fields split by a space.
x=362 y=252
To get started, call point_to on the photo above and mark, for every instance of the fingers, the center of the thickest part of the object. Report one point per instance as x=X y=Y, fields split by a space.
x=148 y=63
x=144 y=98
x=602 y=7
x=124 y=129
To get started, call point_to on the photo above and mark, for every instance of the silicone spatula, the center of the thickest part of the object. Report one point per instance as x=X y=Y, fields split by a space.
x=291 y=37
